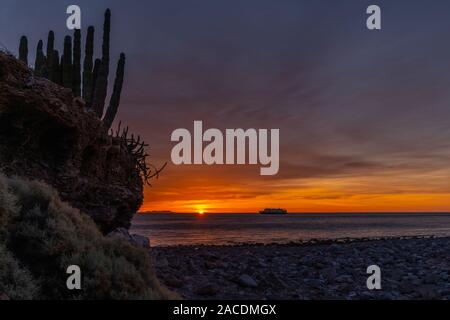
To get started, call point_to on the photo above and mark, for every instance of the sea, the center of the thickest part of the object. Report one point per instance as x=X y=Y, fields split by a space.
x=172 y=229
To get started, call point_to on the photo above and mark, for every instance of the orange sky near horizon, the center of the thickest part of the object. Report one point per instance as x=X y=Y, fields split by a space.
x=234 y=189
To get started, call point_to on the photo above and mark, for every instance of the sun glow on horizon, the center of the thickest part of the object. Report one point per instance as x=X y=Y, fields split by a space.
x=393 y=192
x=201 y=210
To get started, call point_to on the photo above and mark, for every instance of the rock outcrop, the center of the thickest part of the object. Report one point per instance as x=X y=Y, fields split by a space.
x=47 y=134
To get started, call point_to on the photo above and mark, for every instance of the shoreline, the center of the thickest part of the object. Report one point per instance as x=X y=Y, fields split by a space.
x=415 y=267
x=309 y=242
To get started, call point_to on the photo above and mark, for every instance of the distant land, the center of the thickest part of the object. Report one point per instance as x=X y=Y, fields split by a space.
x=308 y=213
x=158 y=211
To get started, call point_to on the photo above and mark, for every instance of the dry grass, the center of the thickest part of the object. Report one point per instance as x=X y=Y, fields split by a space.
x=41 y=236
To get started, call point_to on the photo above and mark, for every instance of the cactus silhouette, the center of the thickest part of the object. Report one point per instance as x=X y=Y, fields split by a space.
x=50 y=44
x=76 y=67
x=115 y=97
x=66 y=63
x=55 y=72
x=95 y=72
x=88 y=81
x=91 y=83
x=101 y=86
x=40 y=63
x=23 y=50
x=49 y=57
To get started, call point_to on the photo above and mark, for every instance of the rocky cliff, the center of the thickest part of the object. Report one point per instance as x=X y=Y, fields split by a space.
x=47 y=134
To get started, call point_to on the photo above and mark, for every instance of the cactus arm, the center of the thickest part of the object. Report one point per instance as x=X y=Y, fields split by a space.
x=23 y=50
x=95 y=72
x=50 y=53
x=87 y=67
x=76 y=68
x=101 y=85
x=67 y=63
x=115 y=97
x=55 y=74
x=39 y=63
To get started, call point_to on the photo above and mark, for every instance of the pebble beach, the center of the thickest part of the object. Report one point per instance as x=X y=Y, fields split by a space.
x=411 y=268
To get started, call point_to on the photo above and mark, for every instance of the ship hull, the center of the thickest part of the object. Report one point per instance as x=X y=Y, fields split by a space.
x=273 y=212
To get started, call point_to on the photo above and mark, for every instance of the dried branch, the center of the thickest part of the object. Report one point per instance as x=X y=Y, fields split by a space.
x=136 y=148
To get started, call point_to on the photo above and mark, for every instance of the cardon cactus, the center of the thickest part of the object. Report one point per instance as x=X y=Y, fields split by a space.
x=91 y=83
x=115 y=97
x=87 y=67
x=101 y=86
x=66 y=62
x=95 y=72
x=50 y=44
x=23 y=50
x=76 y=67
x=39 y=63
x=49 y=58
x=55 y=71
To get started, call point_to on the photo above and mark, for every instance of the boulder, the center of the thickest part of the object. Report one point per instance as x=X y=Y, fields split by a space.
x=47 y=134
x=247 y=281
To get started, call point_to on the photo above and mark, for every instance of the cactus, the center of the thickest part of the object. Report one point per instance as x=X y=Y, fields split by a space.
x=95 y=72
x=40 y=64
x=76 y=69
x=101 y=85
x=87 y=67
x=115 y=97
x=54 y=72
x=50 y=44
x=50 y=52
x=66 y=70
x=60 y=68
x=23 y=50
x=66 y=63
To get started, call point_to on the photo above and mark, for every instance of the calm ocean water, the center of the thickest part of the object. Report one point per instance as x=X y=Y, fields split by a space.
x=181 y=229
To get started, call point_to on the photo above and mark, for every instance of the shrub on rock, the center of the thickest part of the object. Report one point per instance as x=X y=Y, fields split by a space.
x=41 y=236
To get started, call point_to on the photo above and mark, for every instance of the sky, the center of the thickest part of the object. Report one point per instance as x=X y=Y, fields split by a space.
x=364 y=116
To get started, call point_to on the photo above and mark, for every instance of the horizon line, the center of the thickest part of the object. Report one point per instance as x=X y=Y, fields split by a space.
x=305 y=212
